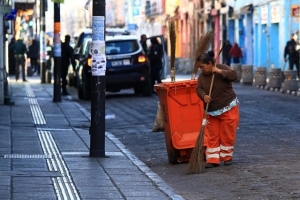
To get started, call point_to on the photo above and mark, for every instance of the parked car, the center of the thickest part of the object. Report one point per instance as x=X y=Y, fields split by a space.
x=83 y=36
x=126 y=66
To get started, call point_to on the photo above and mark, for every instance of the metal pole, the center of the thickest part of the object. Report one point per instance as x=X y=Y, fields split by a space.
x=97 y=129
x=42 y=42
x=2 y=58
x=57 y=54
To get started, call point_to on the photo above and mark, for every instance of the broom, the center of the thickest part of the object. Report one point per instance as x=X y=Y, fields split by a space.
x=172 y=35
x=159 y=123
x=196 y=160
x=204 y=42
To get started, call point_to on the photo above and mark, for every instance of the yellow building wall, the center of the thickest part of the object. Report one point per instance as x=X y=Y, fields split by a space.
x=171 y=6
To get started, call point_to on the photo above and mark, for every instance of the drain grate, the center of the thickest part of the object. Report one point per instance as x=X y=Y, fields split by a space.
x=26 y=156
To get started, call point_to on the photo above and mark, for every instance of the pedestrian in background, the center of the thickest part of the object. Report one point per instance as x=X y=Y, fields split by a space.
x=292 y=51
x=67 y=58
x=49 y=49
x=223 y=109
x=225 y=53
x=236 y=53
x=155 y=57
x=11 y=57
x=20 y=58
x=33 y=55
x=143 y=42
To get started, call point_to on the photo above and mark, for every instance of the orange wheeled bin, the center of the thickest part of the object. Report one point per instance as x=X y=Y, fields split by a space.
x=182 y=114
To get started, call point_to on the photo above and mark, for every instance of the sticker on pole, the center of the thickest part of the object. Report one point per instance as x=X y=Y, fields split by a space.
x=98 y=28
x=97 y=47
x=98 y=65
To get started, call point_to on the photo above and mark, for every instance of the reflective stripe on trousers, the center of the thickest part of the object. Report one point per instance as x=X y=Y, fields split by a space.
x=220 y=134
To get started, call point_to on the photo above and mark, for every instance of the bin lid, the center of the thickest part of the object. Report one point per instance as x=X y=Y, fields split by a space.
x=180 y=84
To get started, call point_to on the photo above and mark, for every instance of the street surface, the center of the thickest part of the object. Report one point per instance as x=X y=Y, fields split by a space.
x=266 y=163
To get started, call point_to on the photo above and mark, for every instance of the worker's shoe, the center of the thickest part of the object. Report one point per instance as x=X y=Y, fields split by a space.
x=211 y=165
x=228 y=162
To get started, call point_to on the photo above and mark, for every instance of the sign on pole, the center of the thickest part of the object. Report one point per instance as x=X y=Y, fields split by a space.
x=58 y=1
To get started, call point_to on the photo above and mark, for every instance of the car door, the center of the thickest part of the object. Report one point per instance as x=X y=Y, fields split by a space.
x=161 y=40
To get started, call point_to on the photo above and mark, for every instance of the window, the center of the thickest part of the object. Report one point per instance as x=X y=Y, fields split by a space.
x=121 y=47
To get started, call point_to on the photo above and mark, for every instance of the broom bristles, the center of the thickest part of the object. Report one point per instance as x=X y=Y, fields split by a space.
x=204 y=41
x=197 y=156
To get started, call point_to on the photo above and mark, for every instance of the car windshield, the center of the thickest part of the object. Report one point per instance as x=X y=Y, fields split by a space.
x=82 y=38
x=121 y=47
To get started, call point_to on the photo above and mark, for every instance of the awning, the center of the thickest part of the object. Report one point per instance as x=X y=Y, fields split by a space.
x=246 y=9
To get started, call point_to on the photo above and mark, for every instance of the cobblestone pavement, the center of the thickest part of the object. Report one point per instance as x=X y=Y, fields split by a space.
x=266 y=161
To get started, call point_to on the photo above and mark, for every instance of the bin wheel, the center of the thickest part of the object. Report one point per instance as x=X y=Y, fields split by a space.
x=173 y=157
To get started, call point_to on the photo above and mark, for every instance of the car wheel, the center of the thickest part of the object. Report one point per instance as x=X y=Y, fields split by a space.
x=147 y=90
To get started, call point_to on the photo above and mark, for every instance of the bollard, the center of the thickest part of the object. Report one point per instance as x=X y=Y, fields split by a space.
x=247 y=74
x=275 y=78
x=260 y=77
x=290 y=80
x=238 y=69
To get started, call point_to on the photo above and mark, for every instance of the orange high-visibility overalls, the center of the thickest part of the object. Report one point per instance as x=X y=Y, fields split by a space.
x=220 y=134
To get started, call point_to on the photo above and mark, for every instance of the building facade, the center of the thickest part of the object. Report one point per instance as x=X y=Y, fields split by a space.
x=262 y=28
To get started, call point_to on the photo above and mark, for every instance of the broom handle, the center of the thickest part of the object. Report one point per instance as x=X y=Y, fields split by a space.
x=213 y=77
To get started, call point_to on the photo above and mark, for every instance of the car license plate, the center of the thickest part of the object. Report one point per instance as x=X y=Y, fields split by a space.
x=126 y=62
x=116 y=63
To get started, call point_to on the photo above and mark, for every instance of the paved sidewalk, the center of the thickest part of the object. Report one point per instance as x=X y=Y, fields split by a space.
x=44 y=153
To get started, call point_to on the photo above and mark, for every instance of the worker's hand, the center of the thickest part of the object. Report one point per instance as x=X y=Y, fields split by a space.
x=207 y=99
x=216 y=70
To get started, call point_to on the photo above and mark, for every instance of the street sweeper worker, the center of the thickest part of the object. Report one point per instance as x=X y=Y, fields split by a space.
x=223 y=110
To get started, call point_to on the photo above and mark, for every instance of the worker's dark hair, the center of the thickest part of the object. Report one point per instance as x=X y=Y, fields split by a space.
x=207 y=57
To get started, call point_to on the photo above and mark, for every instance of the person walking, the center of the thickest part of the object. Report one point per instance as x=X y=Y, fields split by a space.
x=292 y=51
x=223 y=109
x=143 y=42
x=11 y=57
x=67 y=58
x=33 y=55
x=225 y=53
x=236 y=53
x=155 y=57
x=20 y=58
x=49 y=49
